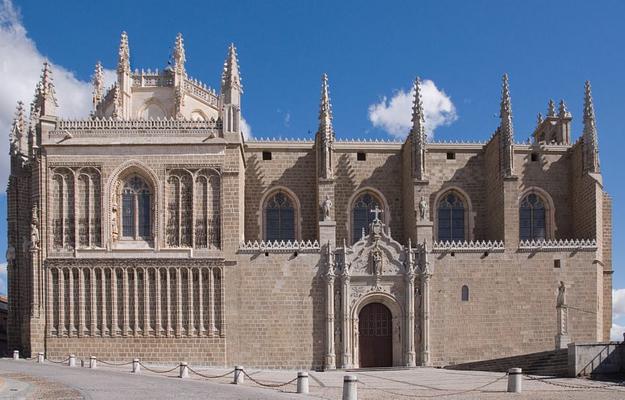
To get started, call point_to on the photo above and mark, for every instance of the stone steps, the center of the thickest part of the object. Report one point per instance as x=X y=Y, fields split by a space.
x=546 y=363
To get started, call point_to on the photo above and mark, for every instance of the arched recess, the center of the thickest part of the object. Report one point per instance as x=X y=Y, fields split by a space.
x=469 y=214
x=269 y=194
x=207 y=212
x=89 y=213
x=379 y=197
x=198 y=115
x=398 y=318
x=152 y=109
x=547 y=200
x=63 y=210
x=113 y=188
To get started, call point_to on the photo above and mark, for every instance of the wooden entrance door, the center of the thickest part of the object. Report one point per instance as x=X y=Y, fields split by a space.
x=375 y=336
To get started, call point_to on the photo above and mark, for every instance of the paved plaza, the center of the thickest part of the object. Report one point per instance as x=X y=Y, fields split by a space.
x=25 y=379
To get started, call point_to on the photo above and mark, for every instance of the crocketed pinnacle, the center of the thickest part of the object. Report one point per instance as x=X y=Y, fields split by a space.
x=551 y=108
x=98 y=84
x=17 y=128
x=123 y=60
x=418 y=115
x=563 y=112
x=231 y=75
x=179 y=55
x=505 y=112
x=539 y=119
x=591 y=145
x=325 y=111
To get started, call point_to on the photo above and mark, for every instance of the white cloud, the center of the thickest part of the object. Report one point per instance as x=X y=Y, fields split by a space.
x=20 y=68
x=394 y=115
x=3 y=279
x=618 y=303
x=616 y=332
x=246 y=129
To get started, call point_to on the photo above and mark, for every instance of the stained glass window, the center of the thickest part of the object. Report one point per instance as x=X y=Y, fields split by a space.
x=532 y=215
x=279 y=218
x=451 y=218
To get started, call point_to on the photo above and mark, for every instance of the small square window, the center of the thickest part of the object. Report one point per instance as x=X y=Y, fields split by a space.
x=534 y=157
x=557 y=264
x=451 y=156
x=266 y=155
x=361 y=156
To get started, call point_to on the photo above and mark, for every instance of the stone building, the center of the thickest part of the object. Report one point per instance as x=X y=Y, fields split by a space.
x=153 y=229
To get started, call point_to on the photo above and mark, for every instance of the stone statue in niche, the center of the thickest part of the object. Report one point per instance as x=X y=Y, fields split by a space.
x=34 y=229
x=326 y=206
x=114 y=222
x=376 y=258
x=423 y=209
x=561 y=300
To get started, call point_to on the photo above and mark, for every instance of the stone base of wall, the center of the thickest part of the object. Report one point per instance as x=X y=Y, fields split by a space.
x=198 y=351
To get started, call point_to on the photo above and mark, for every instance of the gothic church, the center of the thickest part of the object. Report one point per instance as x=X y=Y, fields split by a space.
x=154 y=229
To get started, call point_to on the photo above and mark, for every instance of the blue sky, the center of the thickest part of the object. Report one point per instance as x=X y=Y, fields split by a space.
x=371 y=50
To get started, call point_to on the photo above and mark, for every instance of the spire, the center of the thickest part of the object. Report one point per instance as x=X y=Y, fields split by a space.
x=123 y=59
x=16 y=140
x=551 y=109
x=417 y=133
x=230 y=76
x=325 y=134
x=562 y=110
x=45 y=93
x=590 y=142
x=179 y=56
x=98 y=85
x=506 y=130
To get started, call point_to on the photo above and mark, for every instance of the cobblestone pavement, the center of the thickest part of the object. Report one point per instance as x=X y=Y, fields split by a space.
x=52 y=381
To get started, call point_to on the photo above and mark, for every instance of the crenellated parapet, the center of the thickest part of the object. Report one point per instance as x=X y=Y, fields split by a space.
x=558 y=245
x=468 y=246
x=279 y=246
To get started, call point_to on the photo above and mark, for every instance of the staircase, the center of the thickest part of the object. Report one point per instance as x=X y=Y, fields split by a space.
x=546 y=363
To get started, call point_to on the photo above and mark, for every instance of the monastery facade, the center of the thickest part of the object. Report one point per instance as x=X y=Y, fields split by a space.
x=154 y=229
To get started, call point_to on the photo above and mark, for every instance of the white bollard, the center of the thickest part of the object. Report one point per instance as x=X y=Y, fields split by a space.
x=16 y=354
x=93 y=363
x=72 y=360
x=184 y=370
x=350 y=387
x=514 y=380
x=302 y=382
x=238 y=374
x=40 y=358
x=136 y=367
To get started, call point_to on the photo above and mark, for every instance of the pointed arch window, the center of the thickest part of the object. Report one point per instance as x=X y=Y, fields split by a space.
x=451 y=218
x=362 y=217
x=532 y=218
x=280 y=217
x=136 y=209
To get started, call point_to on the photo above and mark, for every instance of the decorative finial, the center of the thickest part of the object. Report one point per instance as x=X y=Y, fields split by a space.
x=539 y=119
x=231 y=75
x=325 y=134
x=45 y=93
x=562 y=111
x=551 y=108
x=98 y=85
x=123 y=60
x=179 y=55
x=16 y=138
x=417 y=133
x=590 y=140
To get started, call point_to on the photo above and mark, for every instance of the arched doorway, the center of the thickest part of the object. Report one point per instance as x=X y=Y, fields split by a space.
x=375 y=336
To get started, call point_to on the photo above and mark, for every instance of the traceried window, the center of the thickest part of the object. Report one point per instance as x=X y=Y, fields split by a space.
x=136 y=209
x=362 y=217
x=464 y=295
x=279 y=217
x=532 y=218
x=451 y=210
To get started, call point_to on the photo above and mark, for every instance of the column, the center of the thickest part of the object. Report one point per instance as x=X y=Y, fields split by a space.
x=92 y=302
x=168 y=290
x=49 y=301
x=425 y=323
x=114 y=319
x=146 y=302
x=410 y=319
x=330 y=362
x=222 y=311
x=61 y=301
x=200 y=286
x=346 y=331
x=157 y=291
x=191 y=322
x=125 y=296
x=103 y=319
x=178 y=302
x=81 y=301
x=136 y=299
x=72 y=327
x=211 y=301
